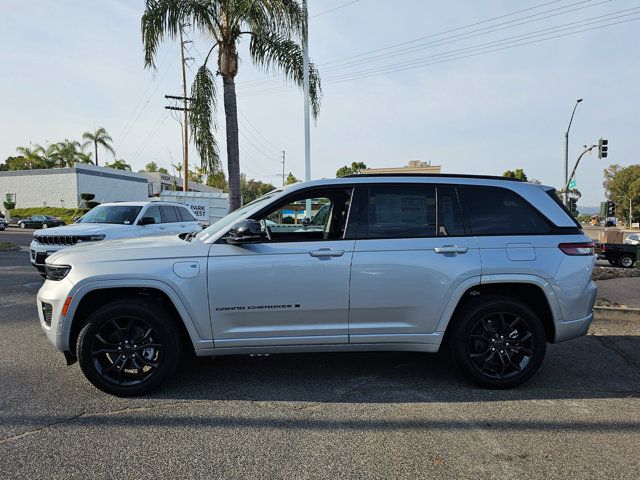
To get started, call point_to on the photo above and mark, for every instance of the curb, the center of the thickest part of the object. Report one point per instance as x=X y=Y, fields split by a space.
x=615 y=313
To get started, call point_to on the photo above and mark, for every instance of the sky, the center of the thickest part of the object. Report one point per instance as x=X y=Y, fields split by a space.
x=476 y=87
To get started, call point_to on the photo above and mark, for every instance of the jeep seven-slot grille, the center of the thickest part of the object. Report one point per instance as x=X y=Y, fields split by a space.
x=46 y=313
x=59 y=239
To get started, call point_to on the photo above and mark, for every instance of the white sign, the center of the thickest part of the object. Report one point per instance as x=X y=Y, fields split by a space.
x=166 y=178
x=199 y=208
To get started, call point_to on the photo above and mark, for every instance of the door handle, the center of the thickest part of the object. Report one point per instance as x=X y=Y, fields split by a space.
x=451 y=249
x=326 y=252
x=161 y=227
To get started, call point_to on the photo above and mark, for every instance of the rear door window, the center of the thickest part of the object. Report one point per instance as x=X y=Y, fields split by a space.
x=153 y=212
x=169 y=214
x=499 y=211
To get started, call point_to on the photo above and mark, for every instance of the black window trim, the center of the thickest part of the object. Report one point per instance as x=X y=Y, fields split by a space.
x=363 y=218
x=352 y=217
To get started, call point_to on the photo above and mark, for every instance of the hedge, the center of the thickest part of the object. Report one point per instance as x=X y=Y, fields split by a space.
x=65 y=214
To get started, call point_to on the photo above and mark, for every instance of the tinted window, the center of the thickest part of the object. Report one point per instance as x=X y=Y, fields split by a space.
x=169 y=214
x=450 y=220
x=153 y=212
x=185 y=215
x=121 y=214
x=498 y=211
x=402 y=211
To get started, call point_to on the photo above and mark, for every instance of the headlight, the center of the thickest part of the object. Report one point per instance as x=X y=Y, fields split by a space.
x=56 y=272
x=91 y=238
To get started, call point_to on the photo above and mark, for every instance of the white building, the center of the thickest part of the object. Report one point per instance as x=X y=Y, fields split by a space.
x=61 y=187
x=159 y=182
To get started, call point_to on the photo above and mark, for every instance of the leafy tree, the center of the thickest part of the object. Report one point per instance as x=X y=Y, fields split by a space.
x=356 y=167
x=163 y=170
x=98 y=138
x=518 y=173
x=151 y=167
x=252 y=189
x=67 y=153
x=275 y=29
x=291 y=179
x=218 y=180
x=119 y=165
x=620 y=184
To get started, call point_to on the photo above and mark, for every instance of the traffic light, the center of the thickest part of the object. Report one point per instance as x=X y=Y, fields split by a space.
x=611 y=209
x=603 y=147
x=573 y=206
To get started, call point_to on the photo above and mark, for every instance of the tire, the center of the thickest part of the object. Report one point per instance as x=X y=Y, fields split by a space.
x=509 y=327
x=626 y=261
x=22 y=225
x=44 y=225
x=144 y=333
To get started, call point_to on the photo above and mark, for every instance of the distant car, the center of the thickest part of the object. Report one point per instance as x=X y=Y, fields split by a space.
x=3 y=224
x=633 y=239
x=40 y=221
x=114 y=220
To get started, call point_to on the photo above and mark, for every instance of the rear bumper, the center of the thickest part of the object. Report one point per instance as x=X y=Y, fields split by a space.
x=573 y=329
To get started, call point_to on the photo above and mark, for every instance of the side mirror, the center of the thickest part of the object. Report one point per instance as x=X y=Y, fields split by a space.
x=244 y=231
x=306 y=221
x=146 y=221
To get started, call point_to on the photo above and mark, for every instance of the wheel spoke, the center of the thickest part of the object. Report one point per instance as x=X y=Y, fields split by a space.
x=103 y=341
x=104 y=350
x=146 y=362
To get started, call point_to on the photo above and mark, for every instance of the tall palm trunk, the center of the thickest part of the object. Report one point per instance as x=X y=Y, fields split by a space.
x=233 y=150
x=95 y=144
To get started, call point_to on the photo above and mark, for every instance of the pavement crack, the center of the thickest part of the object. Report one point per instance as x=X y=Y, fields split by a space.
x=628 y=359
x=42 y=427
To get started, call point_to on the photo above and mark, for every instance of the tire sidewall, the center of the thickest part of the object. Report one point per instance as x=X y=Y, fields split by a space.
x=466 y=322
x=163 y=326
x=629 y=261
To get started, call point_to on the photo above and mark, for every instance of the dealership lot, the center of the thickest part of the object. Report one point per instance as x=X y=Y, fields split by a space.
x=383 y=415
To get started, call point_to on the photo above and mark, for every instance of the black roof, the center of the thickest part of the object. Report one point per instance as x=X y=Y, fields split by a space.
x=450 y=175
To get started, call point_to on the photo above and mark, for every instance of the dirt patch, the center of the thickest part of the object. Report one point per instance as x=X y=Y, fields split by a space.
x=8 y=247
x=606 y=273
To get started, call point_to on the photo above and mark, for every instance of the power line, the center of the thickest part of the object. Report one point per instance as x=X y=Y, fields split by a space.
x=266 y=143
x=333 y=9
x=417 y=63
x=151 y=134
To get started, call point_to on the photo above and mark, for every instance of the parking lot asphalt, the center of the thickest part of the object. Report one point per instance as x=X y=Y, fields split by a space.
x=378 y=415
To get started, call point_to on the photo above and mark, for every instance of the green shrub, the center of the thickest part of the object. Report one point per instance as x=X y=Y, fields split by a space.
x=91 y=205
x=9 y=205
x=87 y=196
x=67 y=215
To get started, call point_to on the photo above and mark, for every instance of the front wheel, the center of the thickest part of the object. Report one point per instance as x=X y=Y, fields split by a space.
x=44 y=225
x=498 y=342
x=128 y=348
x=22 y=225
x=626 y=261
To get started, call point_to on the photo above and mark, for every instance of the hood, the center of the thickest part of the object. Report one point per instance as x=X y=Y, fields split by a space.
x=84 y=229
x=139 y=248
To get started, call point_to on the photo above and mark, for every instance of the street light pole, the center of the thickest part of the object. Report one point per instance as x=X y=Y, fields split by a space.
x=305 y=85
x=566 y=152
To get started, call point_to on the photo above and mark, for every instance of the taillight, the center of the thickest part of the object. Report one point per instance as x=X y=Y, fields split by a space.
x=582 y=248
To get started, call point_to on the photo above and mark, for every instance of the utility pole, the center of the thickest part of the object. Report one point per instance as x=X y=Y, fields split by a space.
x=283 y=177
x=566 y=152
x=185 y=168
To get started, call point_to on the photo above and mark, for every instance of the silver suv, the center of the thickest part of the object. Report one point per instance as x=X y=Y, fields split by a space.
x=491 y=268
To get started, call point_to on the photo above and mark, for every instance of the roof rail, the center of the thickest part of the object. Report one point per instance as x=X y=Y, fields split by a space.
x=445 y=175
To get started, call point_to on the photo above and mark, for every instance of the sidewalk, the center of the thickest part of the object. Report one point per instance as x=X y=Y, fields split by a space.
x=621 y=291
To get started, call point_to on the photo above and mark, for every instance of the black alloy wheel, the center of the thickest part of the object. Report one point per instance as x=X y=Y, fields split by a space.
x=498 y=342
x=128 y=347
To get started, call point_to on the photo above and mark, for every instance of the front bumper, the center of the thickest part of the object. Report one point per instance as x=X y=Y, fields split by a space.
x=50 y=302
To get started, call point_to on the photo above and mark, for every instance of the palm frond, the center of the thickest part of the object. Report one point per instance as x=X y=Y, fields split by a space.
x=202 y=108
x=283 y=17
x=103 y=142
x=163 y=18
x=272 y=51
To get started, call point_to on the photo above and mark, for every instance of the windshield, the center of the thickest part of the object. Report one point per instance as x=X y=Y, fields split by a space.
x=224 y=222
x=117 y=214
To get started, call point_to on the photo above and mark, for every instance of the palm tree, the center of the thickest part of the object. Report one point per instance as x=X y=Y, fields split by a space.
x=67 y=153
x=31 y=157
x=275 y=29
x=99 y=137
x=119 y=164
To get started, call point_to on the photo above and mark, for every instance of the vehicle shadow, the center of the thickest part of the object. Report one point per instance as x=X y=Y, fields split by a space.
x=590 y=367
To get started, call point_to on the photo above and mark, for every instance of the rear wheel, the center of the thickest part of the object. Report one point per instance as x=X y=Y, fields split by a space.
x=627 y=261
x=128 y=348
x=44 y=225
x=22 y=225
x=498 y=342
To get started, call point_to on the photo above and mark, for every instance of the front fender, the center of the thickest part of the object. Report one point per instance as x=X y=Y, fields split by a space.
x=199 y=329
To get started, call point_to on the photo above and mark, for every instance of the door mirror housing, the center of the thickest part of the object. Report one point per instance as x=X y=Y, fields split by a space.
x=244 y=231
x=146 y=221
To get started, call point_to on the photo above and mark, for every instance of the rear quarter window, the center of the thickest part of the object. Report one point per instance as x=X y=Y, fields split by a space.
x=185 y=215
x=499 y=211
